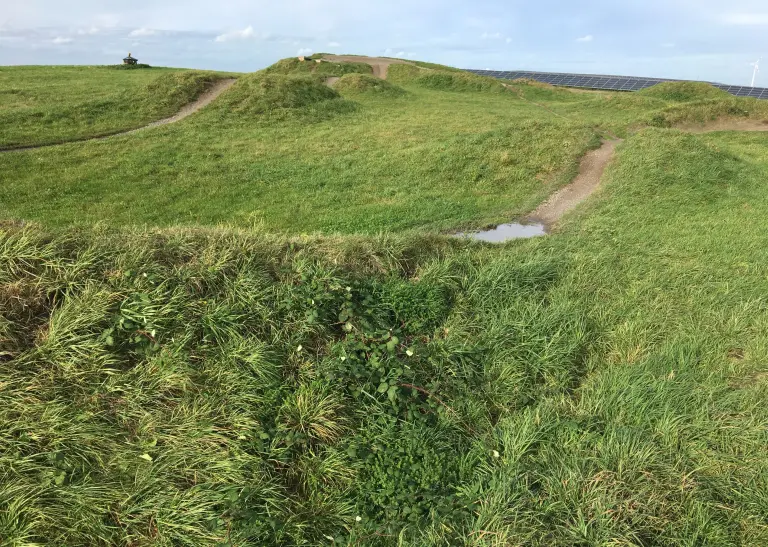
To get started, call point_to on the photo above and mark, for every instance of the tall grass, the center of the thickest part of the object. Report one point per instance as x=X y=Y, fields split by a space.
x=234 y=387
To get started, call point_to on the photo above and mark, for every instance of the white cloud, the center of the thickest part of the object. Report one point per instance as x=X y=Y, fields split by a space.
x=334 y=44
x=668 y=45
x=400 y=54
x=143 y=32
x=491 y=36
x=91 y=30
x=62 y=40
x=587 y=38
x=244 y=34
x=509 y=40
x=746 y=19
x=305 y=51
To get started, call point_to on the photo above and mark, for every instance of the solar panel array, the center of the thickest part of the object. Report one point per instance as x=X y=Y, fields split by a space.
x=610 y=83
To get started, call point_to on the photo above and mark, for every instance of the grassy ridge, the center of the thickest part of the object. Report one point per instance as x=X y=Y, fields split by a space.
x=325 y=69
x=366 y=163
x=51 y=105
x=684 y=91
x=263 y=93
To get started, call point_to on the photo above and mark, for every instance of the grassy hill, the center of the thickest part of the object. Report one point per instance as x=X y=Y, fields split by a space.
x=219 y=378
x=44 y=105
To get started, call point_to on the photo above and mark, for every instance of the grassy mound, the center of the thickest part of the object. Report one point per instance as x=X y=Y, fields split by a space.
x=173 y=91
x=684 y=92
x=533 y=83
x=137 y=66
x=261 y=93
x=360 y=83
x=700 y=112
x=605 y=385
x=293 y=65
x=441 y=80
x=127 y=107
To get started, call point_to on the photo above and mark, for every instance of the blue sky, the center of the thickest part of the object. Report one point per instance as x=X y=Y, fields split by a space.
x=692 y=39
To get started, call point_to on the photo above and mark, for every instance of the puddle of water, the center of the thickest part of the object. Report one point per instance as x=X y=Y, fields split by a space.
x=505 y=232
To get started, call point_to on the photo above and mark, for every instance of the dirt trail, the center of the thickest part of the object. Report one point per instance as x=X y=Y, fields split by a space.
x=187 y=110
x=590 y=172
x=198 y=104
x=594 y=163
x=380 y=65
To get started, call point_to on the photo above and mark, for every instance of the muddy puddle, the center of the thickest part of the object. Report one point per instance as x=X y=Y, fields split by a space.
x=506 y=232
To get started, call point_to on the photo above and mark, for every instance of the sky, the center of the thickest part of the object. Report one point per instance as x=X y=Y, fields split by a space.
x=708 y=40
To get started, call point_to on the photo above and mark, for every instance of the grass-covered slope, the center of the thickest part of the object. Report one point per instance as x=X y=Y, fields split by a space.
x=684 y=91
x=256 y=95
x=604 y=385
x=441 y=80
x=199 y=388
x=284 y=149
x=44 y=105
x=293 y=65
x=353 y=84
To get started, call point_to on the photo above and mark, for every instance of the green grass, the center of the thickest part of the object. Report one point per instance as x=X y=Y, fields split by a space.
x=684 y=91
x=354 y=84
x=326 y=68
x=45 y=105
x=199 y=385
x=430 y=160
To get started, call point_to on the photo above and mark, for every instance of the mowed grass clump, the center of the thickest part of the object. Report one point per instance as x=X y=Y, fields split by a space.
x=353 y=84
x=118 y=101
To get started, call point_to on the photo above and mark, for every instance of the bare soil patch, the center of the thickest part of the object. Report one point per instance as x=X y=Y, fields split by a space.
x=330 y=82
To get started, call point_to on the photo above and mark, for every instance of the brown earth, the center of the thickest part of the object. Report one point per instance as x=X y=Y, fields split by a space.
x=330 y=82
x=380 y=65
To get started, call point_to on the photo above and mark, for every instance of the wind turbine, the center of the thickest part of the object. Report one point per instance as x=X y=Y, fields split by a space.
x=756 y=64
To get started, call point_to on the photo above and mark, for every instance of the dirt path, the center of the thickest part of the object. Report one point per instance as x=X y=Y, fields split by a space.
x=330 y=82
x=198 y=104
x=187 y=110
x=380 y=65
x=594 y=163
x=590 y=172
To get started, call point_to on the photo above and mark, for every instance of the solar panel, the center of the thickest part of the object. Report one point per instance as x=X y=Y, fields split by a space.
x=610 y=82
